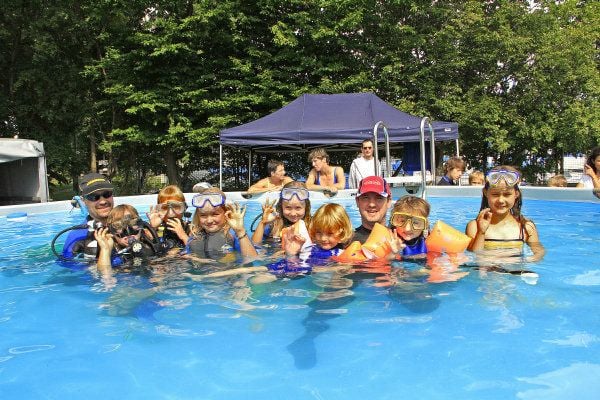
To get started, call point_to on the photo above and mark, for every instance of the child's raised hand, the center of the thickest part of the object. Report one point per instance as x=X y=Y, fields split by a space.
x=589 y=171
x=154 y=217
x=104 y=238
x=292 y=241
x=269 y=214
x=235 y=217
x=483 y=220
x=176 y=226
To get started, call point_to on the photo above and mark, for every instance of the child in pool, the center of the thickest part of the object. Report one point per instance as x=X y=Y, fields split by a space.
x=293 y=206
x=329 y=230
x=218 y=228
x=410 y=223
x=500 y=224
x=124 y=239
x=167 y=218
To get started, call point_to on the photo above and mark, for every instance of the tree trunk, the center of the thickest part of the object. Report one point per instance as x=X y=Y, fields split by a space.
x=172 y=172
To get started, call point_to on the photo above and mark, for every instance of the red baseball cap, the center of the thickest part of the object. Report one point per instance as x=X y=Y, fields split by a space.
x=374 y=184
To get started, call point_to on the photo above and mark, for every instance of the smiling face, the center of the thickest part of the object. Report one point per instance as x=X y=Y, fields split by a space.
x=293 y=210
x=211 y=219
x=373 y=208
x=326 y=240
x=100 y=208
x=501 y=198
x=409 y=224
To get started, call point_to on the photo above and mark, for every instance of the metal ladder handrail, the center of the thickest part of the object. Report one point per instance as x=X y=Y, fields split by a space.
x=376 y=149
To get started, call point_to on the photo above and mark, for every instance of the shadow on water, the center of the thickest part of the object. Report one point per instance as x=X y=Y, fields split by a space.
x=408 y=289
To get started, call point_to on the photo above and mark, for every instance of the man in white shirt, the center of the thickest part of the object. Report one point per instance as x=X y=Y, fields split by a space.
x=363 y=166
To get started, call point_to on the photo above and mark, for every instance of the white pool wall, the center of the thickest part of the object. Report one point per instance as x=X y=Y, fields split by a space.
x=529 y=193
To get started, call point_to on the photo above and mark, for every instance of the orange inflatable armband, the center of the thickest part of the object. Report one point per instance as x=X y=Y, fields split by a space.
x=352 y=253
x=444 y=238
x=378 y=242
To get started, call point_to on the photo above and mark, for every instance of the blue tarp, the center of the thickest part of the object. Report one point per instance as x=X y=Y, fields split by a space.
x=333 y=119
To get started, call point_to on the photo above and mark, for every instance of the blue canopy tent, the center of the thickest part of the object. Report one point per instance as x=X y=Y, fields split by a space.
x=329 y=120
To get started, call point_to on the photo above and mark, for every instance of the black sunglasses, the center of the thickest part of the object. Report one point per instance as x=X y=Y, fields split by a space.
x=96 y=196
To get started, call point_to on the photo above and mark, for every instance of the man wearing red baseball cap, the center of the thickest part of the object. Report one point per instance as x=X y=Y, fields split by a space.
x=373 y=199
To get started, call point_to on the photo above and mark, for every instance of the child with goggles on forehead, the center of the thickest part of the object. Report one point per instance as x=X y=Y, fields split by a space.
x=217 y=228
x=410 y=223
x=293 y=205
x=167 y=218
x=500 y=224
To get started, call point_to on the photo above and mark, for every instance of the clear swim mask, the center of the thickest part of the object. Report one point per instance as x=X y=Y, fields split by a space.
x=214 y=199
x=511 y=178
x=288 y=193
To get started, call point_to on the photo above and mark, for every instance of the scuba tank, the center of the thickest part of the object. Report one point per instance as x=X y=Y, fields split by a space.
x=77 y=233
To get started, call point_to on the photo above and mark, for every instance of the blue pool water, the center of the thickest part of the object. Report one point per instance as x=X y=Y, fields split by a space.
x=485 y=336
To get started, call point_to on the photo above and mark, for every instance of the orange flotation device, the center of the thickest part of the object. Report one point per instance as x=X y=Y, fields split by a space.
x=444 y=238
x=352 y=253
x=376 y=246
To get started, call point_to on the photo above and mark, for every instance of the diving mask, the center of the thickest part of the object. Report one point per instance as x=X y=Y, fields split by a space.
x=288 y=193
x=214 y=199
x=510 y=177
x=400 y=219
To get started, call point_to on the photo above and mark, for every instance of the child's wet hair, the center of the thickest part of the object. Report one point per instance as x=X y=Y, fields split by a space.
x=118 y=213
x=412 y=204
x=171 y=192
x=331 y=218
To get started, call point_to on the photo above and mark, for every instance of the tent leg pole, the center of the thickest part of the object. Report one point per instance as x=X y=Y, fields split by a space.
x=457 y=150
x=249 y=167
x=221 y=166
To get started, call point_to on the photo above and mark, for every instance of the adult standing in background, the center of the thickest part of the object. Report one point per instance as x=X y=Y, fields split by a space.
x=591 y=171
x=363 y=166
x=274 y=181
x=324 y=177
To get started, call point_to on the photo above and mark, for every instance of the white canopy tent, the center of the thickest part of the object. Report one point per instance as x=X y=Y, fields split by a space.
x=23 y=176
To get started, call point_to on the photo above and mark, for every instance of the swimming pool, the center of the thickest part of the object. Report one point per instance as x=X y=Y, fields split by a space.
x=489 y=336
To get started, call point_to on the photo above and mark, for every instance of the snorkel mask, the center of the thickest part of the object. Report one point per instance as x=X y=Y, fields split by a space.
x=127 y=226
x=400 y=219
x=214 y=199
x=511 y=178
x=178 y=207
x=288 y=194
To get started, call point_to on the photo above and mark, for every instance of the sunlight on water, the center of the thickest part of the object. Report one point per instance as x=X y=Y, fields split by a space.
x=405 y=331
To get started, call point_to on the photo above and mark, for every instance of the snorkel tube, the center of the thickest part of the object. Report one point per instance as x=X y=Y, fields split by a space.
x=77 y=202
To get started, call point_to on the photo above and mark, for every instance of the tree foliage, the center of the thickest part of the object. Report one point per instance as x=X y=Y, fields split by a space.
x=148 y=85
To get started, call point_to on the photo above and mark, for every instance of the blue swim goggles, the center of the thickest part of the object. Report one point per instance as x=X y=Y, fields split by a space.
x=288 y=193
x=214 y=199
x=510 y=177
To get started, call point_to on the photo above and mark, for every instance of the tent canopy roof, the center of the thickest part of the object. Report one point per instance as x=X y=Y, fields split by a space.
x=326 y=119
x=15 y=149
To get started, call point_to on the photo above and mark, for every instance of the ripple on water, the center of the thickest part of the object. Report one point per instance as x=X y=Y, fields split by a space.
x=30 y=349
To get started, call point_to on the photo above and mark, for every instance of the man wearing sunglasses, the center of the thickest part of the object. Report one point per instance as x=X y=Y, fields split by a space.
x=373 y=200
x=363 y=166
x=97 y=194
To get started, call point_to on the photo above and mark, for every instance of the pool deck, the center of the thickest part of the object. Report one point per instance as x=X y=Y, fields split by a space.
x=529 y=193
